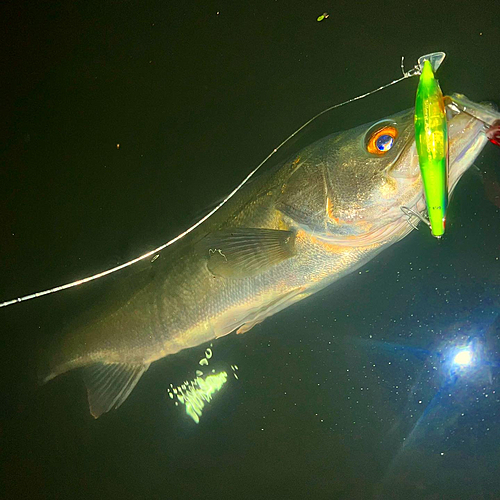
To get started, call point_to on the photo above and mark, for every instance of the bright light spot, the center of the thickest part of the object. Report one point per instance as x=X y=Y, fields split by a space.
x=463 y=358
x=197 y=393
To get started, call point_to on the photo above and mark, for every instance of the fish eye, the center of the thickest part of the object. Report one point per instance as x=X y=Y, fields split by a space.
x=381 y=138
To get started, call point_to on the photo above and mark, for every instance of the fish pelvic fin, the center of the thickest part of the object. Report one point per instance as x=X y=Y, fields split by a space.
x=246 y=318
x=109 y=384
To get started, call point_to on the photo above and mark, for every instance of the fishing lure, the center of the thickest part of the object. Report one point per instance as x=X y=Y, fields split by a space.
x=431 y=139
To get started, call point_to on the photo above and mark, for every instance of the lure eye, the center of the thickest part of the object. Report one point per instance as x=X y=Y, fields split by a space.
x=381 y=140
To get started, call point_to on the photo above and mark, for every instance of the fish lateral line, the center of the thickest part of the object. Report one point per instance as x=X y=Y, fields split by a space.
x=415 y=71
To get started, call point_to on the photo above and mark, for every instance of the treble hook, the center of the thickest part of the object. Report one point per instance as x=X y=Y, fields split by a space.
x=409 y=212
x=492 y=130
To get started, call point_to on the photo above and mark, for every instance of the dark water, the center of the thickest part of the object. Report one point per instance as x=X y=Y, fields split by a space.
x=347 y=395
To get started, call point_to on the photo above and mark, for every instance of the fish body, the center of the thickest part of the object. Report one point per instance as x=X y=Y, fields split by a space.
x=287 y=234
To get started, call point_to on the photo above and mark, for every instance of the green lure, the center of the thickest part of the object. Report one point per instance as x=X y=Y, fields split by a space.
x=431 y=138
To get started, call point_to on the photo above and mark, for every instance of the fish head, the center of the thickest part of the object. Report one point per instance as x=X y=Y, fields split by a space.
x=349 y=188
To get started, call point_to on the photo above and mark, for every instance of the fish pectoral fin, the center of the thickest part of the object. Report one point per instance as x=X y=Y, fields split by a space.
x=109 y=384
x=245 y=252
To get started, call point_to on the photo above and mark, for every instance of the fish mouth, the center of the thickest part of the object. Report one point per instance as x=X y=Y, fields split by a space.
x=467 y=124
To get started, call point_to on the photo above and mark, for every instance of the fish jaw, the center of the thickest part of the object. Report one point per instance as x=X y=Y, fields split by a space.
x=467 y=138
x=467 y=134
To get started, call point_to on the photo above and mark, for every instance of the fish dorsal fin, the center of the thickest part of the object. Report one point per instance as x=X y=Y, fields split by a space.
x=109 y=384
x=245 y=252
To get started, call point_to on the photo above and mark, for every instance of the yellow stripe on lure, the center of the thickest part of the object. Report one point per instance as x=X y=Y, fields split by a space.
x=431 y=138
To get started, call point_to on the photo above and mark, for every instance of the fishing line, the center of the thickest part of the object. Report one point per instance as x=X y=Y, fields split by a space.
x=406 y=74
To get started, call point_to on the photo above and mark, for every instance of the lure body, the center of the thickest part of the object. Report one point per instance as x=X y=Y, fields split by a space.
x=431 y=138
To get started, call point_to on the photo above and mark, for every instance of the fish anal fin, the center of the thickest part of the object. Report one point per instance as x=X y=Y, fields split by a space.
x=109 y=384
x=245 y=252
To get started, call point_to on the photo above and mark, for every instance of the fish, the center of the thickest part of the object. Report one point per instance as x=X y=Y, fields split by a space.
x=288 y=233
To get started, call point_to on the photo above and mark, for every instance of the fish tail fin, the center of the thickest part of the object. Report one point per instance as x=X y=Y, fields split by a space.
x=109 y=384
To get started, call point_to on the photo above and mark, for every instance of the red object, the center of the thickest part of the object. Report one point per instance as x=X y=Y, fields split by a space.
x=493 y=133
